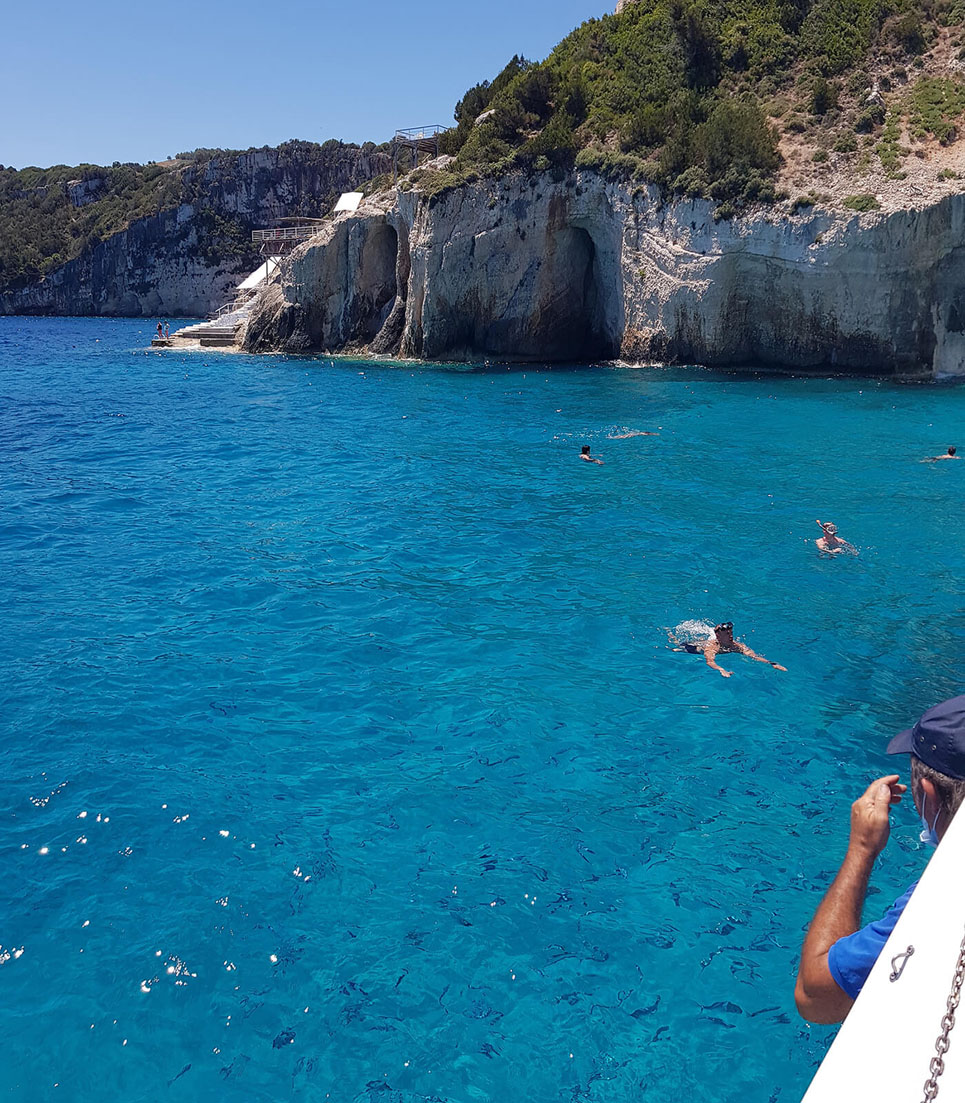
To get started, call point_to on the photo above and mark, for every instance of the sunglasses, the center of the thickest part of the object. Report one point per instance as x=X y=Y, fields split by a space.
x=727 y=627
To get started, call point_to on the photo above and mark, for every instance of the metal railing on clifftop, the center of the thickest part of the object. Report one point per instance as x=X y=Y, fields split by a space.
x=287 y=233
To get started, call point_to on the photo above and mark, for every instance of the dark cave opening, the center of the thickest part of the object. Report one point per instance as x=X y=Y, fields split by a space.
x=573 y=324
x=376 y=286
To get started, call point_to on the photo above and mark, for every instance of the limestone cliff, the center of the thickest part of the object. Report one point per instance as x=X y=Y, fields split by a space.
x=185 y=260
x=157 y=266
x=582 y=268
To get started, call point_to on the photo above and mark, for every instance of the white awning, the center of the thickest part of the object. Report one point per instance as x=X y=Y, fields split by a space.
x=349 y=201
x=258 y=277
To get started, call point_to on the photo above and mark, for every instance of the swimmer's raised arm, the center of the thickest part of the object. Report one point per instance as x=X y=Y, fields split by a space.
x=745 y=650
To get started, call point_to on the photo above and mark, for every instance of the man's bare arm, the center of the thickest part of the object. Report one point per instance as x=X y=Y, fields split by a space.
x=817 y=995
x=709 y=652
x=745 y=650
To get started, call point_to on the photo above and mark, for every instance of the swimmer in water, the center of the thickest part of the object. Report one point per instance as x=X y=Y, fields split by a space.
x=720 y=642
x=830 y=543
x=585 y=455
x=949 y=455
x=631 y=433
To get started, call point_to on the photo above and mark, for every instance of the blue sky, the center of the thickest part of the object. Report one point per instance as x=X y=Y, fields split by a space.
x=107 y=81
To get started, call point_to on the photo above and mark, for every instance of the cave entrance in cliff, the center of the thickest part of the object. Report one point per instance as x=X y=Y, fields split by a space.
x=377 y=282
x=580 y=326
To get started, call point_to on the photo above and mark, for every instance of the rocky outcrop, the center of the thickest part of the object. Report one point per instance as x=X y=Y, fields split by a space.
x=157 y=267
x=532 y=268
x=298 y=178
x=82 y=192
x=345 y=291
x=187 y=260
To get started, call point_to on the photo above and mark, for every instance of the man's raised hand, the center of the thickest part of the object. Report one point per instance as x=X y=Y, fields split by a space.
x=869 y=815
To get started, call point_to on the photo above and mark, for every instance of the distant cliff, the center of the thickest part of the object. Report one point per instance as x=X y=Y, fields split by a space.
x=172 y=239
x=744 y=183
x=540 y=268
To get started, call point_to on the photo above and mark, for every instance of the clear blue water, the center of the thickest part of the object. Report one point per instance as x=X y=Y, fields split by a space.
x=342 y=752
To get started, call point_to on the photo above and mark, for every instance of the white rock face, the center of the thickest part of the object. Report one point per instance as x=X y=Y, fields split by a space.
x=531 y=268
x=177 y=262
x=82 y=192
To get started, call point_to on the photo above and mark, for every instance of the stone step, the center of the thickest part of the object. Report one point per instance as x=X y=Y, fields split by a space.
x=208 y=331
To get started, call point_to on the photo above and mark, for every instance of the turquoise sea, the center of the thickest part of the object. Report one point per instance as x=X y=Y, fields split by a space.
x=342 y=753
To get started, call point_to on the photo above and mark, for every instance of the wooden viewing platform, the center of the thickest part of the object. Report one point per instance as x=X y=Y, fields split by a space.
x=280 y=239
x=419 y=139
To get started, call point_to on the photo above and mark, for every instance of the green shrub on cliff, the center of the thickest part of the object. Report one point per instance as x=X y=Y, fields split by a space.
x=476 y=101
x=862 y=203
x=684 y=86
x=824 y=96
x=935 y=104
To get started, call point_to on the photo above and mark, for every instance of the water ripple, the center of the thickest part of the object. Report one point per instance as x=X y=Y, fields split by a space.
x=344 y=755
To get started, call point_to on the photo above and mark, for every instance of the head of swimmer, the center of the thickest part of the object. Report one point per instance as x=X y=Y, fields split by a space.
x=830 y=528
x=585 y=450
x=725 y=632
x=952 y=450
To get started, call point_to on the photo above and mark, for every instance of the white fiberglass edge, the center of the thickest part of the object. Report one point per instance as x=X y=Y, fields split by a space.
x=883 y=1050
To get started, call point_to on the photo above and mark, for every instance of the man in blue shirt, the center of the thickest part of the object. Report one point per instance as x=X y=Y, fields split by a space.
x=838 y=953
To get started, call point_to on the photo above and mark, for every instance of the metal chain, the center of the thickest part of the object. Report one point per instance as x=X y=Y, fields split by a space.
x=937 y=1065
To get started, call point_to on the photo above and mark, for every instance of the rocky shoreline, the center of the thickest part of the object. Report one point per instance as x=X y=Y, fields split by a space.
x=581 y=268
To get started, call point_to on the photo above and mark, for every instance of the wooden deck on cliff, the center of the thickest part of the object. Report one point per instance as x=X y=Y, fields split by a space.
x=417 y=139
x=277 y=240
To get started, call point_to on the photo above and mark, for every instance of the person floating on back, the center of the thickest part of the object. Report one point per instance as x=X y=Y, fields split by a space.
x=585 y=455
x=949 y=455
x=723 y=641
x=830 y=543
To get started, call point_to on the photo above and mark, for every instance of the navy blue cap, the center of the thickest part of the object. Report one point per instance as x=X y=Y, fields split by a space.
x=938 y=738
